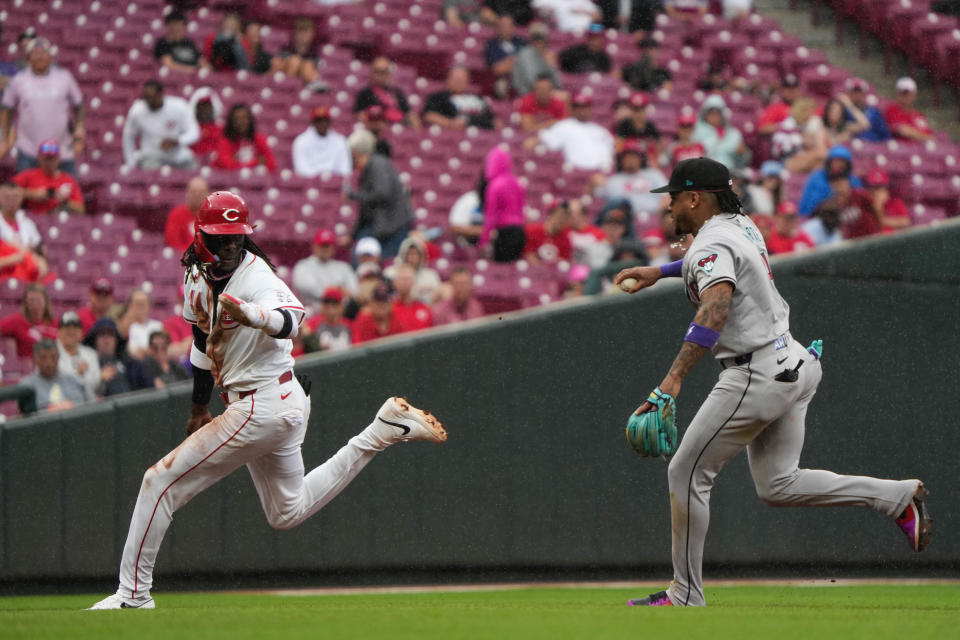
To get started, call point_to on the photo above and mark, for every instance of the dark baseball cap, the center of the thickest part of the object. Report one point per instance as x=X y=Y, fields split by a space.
x=102 y=285
x=697 y=174
x=70 y=319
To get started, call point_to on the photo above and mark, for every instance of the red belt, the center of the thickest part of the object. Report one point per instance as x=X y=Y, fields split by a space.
x=286 y=376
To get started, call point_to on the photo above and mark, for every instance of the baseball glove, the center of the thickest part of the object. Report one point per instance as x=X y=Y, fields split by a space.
x=654 y=433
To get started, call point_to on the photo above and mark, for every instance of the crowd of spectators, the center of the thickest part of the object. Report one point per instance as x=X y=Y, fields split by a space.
x=377 y=279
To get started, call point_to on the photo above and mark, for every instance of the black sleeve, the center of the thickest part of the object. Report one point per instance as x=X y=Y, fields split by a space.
x=402 y=101
x=605 y=63
x=439 y=102
x=199 y=339
x=364 y=99
x=161 y=49
x=202 y=386
x=568 y=59
x=287 y=325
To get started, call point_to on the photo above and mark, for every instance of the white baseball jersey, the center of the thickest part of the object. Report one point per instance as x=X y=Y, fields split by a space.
x=729 y=248
x=251 y=358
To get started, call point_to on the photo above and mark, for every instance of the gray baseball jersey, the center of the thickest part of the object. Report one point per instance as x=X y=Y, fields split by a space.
x=729 y=248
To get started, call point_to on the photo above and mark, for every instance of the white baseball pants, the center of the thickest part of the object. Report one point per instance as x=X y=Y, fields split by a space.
x=749 y=408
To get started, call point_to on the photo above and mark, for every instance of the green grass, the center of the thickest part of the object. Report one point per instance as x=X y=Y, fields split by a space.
x=927 y=612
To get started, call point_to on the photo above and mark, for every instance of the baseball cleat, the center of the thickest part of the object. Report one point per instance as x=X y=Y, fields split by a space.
x=401 y=421
x=659 y=599
x=116 y=602
x=915 y=522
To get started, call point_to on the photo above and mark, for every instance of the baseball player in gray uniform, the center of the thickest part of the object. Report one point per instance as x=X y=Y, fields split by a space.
x=244 y=317
x=766 y=382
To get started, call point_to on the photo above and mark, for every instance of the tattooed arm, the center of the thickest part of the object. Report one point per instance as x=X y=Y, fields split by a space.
x=713 y=312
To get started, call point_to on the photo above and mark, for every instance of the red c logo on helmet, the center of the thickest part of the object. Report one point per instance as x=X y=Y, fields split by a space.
x=231 y=215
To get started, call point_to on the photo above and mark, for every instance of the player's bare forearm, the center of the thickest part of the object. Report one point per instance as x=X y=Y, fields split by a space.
x=714 y=309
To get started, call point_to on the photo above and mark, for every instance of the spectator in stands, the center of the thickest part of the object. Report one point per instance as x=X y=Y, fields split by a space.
x=686 y=9
x=240 y=145
x=320 y=149
x=569 y=16
x=585 y=144
x=17 y=263
x=258 y=58
x=878 y=131
x=768 y=193
x=44 y=96
x=646 y=73
x=46 y=188
x=905 y=122
x=456 y=107
x=721 y=140
x=413 y=252
x=716 y=80
x=520 y=10
x=634 y=179
x=378 y=319
x=460 y=13
x=158 y=364
x=786 y=235
x=615 y=220
x=412 y=312
x=588 y=56
x=382 y=93
x=503 y=212
x=661 y=243
x=369 y=251
x=466 y=214
x=179 y=229
x=179 y=330
x=737 y=9
x=534 y=60
x=77 y=359
x=823 y=227
x=842 y=120
x=100 y=304
x=175 y=50
x=55 y=391
x=684 y=146
x=17 y=228
x=637 y=126
x=801 y=143
x=315 y=274
x=33 y=322
x=540 y=108
x=224 y=49
x=119 y=373
x=779 y=110
x=375 y=122
x=585 y=237
x=163 y=126
x=8 y=68
x=135 y=324
x=500 y=54
x=548 y=242
x=839 y=164
x=461 y=305
x=207 y=110
x=383 y=203
x=300 y=57
x=328 y=331
x=876 y=211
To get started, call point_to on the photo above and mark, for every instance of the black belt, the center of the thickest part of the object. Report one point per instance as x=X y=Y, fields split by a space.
x=737 y=360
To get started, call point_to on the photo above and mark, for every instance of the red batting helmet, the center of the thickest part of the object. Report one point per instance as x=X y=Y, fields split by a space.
x=223 y=213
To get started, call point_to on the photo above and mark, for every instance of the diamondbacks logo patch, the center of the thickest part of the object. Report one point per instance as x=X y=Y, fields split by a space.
x=707 y=263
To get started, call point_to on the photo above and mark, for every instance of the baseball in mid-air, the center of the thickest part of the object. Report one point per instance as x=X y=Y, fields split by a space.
x=628 y=284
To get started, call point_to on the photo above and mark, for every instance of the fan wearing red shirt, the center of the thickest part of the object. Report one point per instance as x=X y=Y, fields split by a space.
x=684 y=148
x=210 y=131
x=786 y=235
x=412 y=313
x=32 y=323
x=240 y=145
x=549 y=242
x=878 y=210
x=779 y=110
x=378 y=320
x=905 y=122
x=46 y=188
x=178 y=231
x=540 y=108
x=100 y=301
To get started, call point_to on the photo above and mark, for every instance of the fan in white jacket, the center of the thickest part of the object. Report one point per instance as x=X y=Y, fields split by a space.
x=159 y=131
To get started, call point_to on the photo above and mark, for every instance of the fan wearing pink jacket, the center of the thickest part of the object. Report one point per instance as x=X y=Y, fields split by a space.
x=504 y=199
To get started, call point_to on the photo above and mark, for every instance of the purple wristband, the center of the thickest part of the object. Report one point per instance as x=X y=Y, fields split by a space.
x=672 y=269
x=703 y=336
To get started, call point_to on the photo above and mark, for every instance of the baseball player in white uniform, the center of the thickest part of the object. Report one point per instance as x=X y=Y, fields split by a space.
x=766 y=382
x=244 y=317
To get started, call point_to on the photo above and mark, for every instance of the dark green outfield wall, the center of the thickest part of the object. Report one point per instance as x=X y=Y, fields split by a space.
x=536 y=471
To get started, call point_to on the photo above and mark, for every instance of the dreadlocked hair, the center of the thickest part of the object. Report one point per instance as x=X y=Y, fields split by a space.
x=191 y=259
x=728 y=202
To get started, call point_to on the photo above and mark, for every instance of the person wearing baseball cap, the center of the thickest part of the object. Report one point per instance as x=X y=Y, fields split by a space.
x=684 y=147
x=77 y=359
x=779 y=110
x=857 y=90
x=378 y=319
x=637 y=125
x=375 y=121
x=46 y=188
x=585 y=144
x=905 y=122
x=314 y=275
x=635 y=175
x=320 y=149
x=879 y=212
x=786 y=235
x=100 y=304
x=646 y=73
x=588 y=56
x=328 y=331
